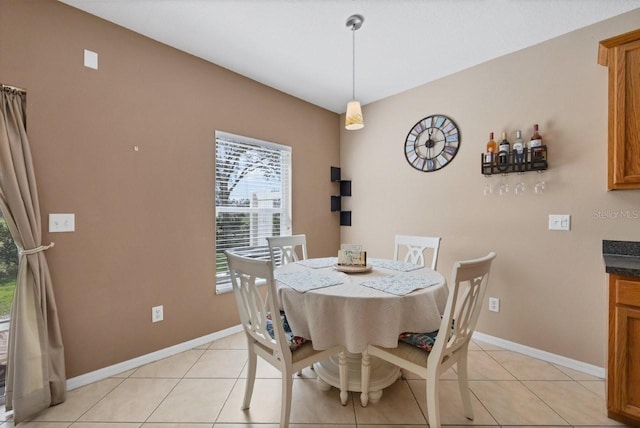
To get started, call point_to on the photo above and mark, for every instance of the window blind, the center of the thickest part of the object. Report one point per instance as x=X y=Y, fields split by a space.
x=252 y=198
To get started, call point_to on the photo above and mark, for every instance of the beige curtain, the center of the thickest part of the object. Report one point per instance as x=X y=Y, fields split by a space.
x=35 y=364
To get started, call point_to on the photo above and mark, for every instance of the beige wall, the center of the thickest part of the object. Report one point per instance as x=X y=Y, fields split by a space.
x=552 y=285
x=144 y=220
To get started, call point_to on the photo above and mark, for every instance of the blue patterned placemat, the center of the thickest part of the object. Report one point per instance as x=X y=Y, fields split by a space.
x=394 y=265
x=305 y=280
x=318 y=263
x=400 y=284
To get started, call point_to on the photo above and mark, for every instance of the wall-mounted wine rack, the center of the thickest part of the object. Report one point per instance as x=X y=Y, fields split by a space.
x=534 y=159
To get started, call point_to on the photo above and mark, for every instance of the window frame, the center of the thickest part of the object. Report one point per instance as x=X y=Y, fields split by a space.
x=222 y=280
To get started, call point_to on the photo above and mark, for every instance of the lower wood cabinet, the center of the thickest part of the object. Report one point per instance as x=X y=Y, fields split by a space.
x=623 y=383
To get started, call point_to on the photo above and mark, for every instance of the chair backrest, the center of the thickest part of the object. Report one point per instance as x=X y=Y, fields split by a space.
x=285 y=247
x=466 y=294
x=415 y=249
x=253 y=307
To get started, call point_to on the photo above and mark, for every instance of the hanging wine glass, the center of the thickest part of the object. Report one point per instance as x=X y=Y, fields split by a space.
x=540 y=184
x=503 y=188
x=519 y=187
x=488 y=185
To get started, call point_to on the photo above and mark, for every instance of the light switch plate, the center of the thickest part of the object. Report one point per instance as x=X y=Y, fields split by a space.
x=62 y=222
x=559 y=222
x=90 y=59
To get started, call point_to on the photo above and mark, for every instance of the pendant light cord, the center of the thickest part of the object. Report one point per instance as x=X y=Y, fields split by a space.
x=353 y=31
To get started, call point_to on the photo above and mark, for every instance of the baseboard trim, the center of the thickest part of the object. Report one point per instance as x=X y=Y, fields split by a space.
x=106 y=372
x=542 y=355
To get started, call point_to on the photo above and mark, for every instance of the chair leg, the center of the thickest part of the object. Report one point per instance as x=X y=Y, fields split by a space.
x=344 y=372
x=433 y=400
x=285 y=409
x=251 y=379
x=365 y=373
x=463 y=384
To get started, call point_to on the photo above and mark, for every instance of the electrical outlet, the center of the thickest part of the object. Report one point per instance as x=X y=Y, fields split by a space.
x=494 y=304
x=157 y=313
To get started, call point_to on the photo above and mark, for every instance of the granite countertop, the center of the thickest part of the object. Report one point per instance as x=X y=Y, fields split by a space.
x=621 y=257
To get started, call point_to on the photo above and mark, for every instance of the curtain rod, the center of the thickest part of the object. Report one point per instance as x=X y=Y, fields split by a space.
x=15 y=88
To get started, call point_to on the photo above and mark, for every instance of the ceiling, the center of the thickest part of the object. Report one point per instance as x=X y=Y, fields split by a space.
x=303 y=47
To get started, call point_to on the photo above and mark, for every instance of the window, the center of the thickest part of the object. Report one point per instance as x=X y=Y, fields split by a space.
x=8 y=273
x=253 y=198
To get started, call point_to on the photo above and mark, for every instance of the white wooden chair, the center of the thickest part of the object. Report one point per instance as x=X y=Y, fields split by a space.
x=266 y=335
x=449 y=345
x=286 y=246
x=416 y=245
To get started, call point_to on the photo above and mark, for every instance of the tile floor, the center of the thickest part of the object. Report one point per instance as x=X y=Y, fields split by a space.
x=203 y=387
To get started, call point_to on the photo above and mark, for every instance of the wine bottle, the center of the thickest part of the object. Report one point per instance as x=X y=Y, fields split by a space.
x=518 y=147
x=492 y=149
x=536 y=143
x=503 y=150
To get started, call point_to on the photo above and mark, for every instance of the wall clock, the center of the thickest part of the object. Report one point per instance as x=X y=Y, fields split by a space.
x=432 y=143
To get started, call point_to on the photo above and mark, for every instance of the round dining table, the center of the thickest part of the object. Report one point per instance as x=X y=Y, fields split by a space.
x=354 y=309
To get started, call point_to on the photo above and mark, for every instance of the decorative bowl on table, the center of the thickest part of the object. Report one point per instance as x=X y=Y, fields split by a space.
x=353 y=268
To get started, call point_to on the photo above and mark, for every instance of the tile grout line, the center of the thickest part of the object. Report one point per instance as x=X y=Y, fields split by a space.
x=525 y=386
x=484 y=406
x=77 y=420
x=103 y=397
x=570 y=379
x=413 y=394
x=174 y=386
x=474 y=394
x=352 y=394
x=226 y=400
x=213 y=424
x=235 y=383
x=545 y=403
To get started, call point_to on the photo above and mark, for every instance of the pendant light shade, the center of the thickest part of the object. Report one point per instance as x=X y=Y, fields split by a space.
x=353 y=119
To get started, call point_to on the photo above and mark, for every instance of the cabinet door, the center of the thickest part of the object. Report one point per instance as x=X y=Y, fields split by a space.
x=627 y=361
x=624 y=117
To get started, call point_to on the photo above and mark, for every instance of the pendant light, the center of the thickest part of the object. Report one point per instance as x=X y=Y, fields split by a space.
x=353 y=119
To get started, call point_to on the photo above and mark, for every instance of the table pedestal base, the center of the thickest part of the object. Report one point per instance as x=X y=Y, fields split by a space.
x=383 y=374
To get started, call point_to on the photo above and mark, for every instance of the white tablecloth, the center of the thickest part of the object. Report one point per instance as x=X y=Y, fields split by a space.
x=353 y=315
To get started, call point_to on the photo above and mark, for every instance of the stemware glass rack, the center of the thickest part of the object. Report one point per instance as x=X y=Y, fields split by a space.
x=531 y=160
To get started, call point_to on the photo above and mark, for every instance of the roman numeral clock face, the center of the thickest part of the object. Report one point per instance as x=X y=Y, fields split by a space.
x=432 y=143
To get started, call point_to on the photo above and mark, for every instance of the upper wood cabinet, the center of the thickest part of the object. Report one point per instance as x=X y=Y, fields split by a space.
x=622 y=55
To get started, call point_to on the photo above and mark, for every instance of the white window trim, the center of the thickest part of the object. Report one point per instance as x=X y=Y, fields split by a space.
x=227 y=288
